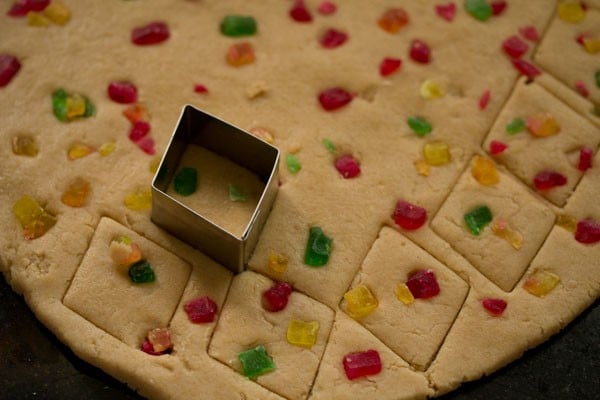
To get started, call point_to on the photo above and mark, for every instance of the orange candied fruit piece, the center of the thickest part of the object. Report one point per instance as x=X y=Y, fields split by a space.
x=501 y=229
x=542 y=125
x=240 y=54
x=277 y=262
x=541 y=282
x=77 y=193
x=136 y=112
x=393 y=20
x=484 y=171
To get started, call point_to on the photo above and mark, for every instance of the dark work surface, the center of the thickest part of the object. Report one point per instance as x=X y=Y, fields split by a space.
x=35 y=365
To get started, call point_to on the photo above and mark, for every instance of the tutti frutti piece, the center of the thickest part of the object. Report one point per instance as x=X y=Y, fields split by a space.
x=301 y=333
x=238 y=25
x=479 y=9
x=423 y=284
x=495 y=307
x=32 y=217
x=393 y=20
x=409 y=216
x=299 y=12
x=333 y=38
x=124 y=252
x=347 y=166
x=334 y=98
x=276 y=297
x=436 y=153
x=587 y=231
x=141 y=272
x=256 y=362
x=360 y=364
x=541 y=282
x=292 y=163
x=484 y=171
x=150 y=34
x=419 y=125
x=77 y=193
x=477 y=219
x=277 y=262
x=546 y=180
x=318 y=247
x=122 y=92
x=25 y=145
x=240 y=54
x=67 y=107
x=185 y=181
x=201 y=310
x=9 y=66
x=360 y=301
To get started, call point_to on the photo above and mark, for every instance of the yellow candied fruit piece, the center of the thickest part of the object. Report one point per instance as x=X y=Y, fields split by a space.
x=571 y=11
x=262 y=133
x=57 y=12
x=240 y=54
x=277 y=262
x=592 y=46
x=567 y=222
x=404 y=294
x=484 y=171
x=79 y=150
x=154 y=164
x=360 y=301
x=24 y=146
x=39 y=226
x=77 y=193
x=422 y=167
x=303 y=334
x=75 y=105
x=107 y=148
x=436 y=153
x=139 y=200
x=540 y=283
x=501 y=229
x=431 y=90
x=37 y=19
x=542 y=125
x=27 y=210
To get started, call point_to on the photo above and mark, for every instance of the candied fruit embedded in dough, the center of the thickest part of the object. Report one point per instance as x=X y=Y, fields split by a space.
x=493 y=306
x=327 y=7
x=57 y=12
x=501 y=229
x=79 y=150
x=299 y=12
x=185 y=181
x=393 y=20
x=27 y=210
x=9 y=66
x=389 y=65
x=240 y=54
x=333 y=38
x=124 y=252
x=484 y=100
x=525 y=68
x=139 y=200
x=419 y=125
x=409 y=216
x=497 y=147
x=77 y=193
x=446 y=11
x=479 y=9
x=567 y=222
x=498 y=7
x=514 y=47
x=236 y=194
x=477 y=219
x=333 y=98
x=141 y=272
x=404 y=294
x=546 y=180
x=588 y=231
x=360 y=364
x=515 y=126
x=201 y=310
x=436 y=153
x=136 y=112
x=530 y=33
x=586 y=154
x=256 y=362
x=423 y=284
x=484 y=171
x=122 y=92
x=160 y=339
x=541 y=282
x=301 y=333
x=292 y=163
x=360 y=301
x=571 y=11
x=276 y=297
x=238 y=25
x=318 y=247
x=24 y=145
x=347 y=166
x=542 y=125
x=37 y=19
x=430 y=89
x=277 y=262
x=420 y=52
x=139 y=130
x=151 y=33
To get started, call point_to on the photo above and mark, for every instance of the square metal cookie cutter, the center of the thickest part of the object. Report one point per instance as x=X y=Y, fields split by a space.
x=196 y=127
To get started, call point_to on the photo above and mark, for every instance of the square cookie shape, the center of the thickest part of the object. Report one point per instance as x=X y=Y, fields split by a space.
x=495 y=256
x=105 y=295
x=245 y=324
x=413 y=331
x=567 y=53
x=528 y=155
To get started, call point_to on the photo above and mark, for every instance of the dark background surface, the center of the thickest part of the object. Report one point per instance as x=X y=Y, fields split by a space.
x=35 y=365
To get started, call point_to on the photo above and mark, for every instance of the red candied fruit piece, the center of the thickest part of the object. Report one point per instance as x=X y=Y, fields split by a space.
x=361 y=364
x=582 y=88
x=446 y=11
x=122 y=92
x=20 y=8
x=148 y=348
x=333 y=98
x=333 y=38
x=495 y=307
x=200 y=88
x=547 y=180
x=423 y=284
x=585 y=158
x=581 y=37
x=201 y=310
x=484 y=100
x=152 y=33
x=299 y=12
x=9 y=66
x=389 y=65
x=347 y=166
x=420 y=51
x=588 y=231
x=327 y=7
x=497 y=147
x=276 y=297
x=498 y=7
x=514 y=47
x=409 y=216
x=530 y=33
x=526 y=68
x=139 y=130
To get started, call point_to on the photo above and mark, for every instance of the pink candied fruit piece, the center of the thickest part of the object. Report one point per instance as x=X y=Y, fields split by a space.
x=586 y=155
x=423 y=284
x=139 y=130
x=327 y=7
x=333 y=38
x=409 y=216
x=146 y=144
x=152 y=33
x=20 y=8
x=364 y=363
x=201 y=310
x=333 y=98
x=514 y=47
x=347 y=166
x=299 y=12
x=530 y=33
x=581 y=87
x=495 y=307
x=588 y=231
x=526 y=68
x=498 y=7
x=276 y=297
x=497 y=147
x=200 y=88
x=484 y=100
x=389 y=65
x=547 y=180
x=9 y=66
x=420 y=52
x=122 y=92
x=446 y=11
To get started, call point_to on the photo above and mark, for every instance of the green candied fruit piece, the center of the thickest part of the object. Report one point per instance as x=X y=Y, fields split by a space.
x=419 y=125
x=318 y=248
x=141 y=272
x=256 y=362
x=90 y=109
x=292 y=163
x=59 y=104
x=597 y=76
x=238 y=25
x=186 y=181
x=479 y=9
x=515 y=126
x=329 y=145
x=477 y=219
x=236 y=194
